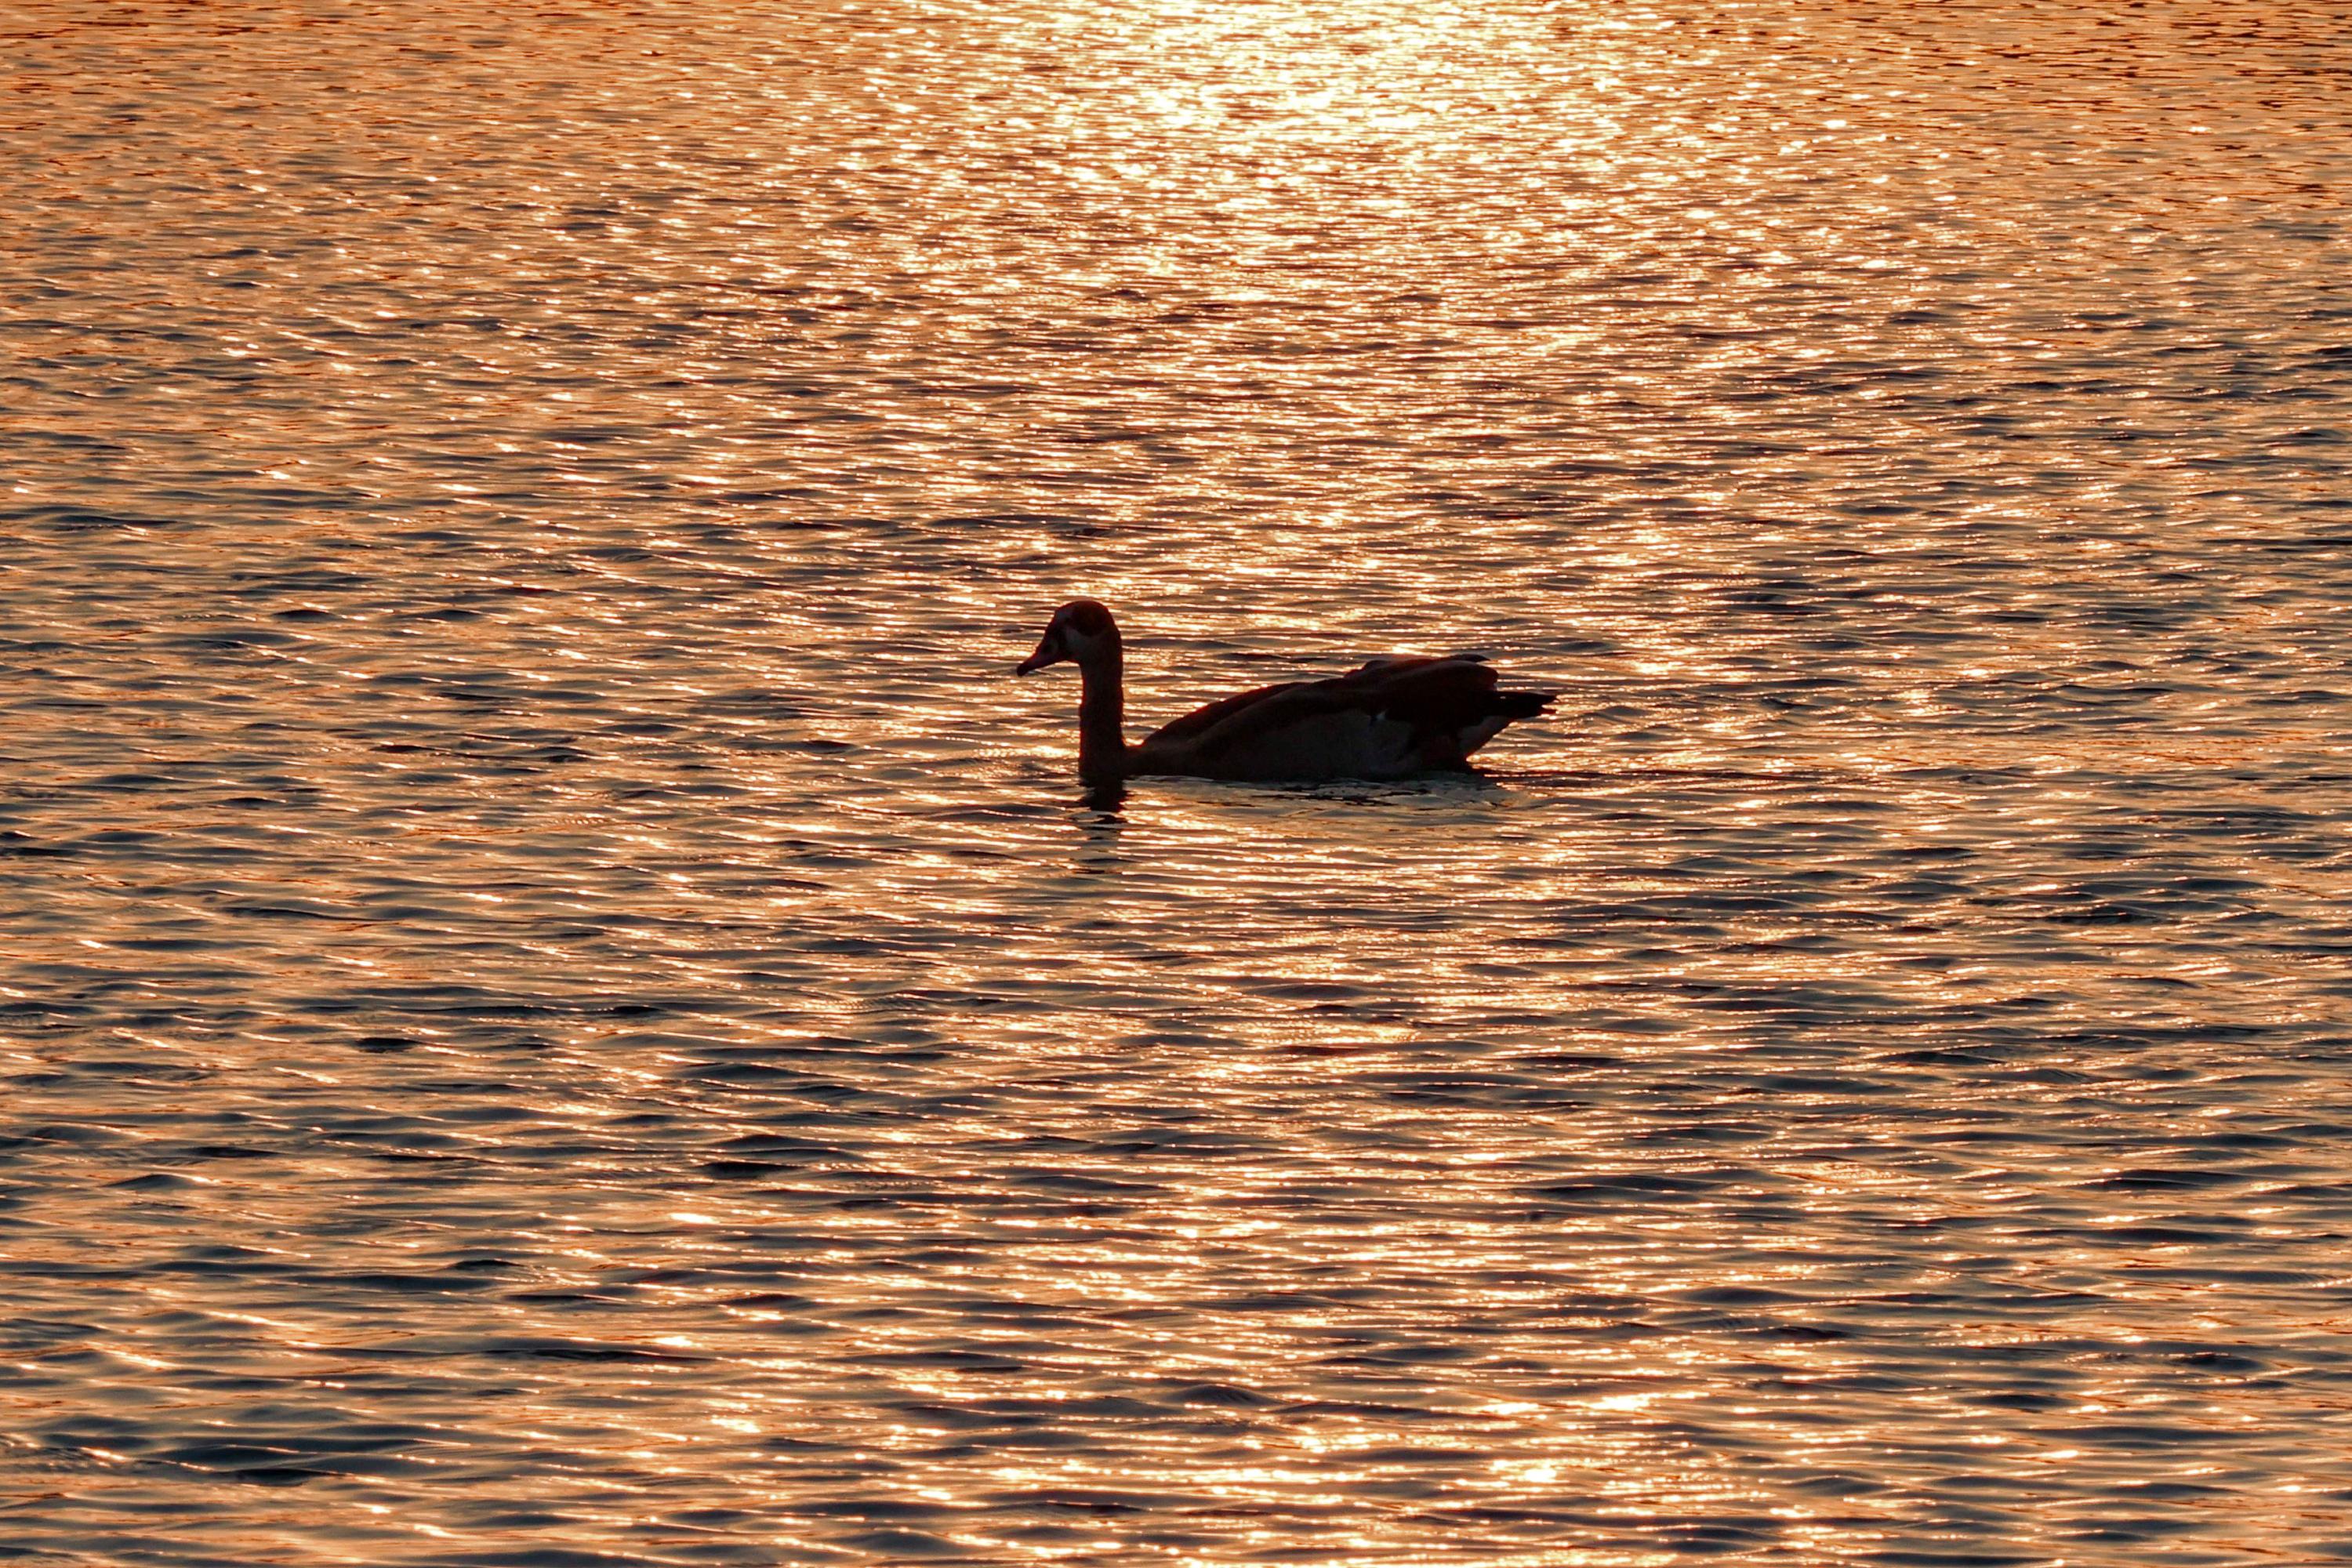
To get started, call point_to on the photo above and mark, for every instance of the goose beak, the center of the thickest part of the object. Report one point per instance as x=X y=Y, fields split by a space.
x=1049 y=651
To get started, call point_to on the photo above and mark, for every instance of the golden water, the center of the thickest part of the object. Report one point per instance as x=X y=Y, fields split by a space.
x=561 y=1008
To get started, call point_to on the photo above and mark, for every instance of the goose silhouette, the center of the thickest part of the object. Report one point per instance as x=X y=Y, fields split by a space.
x=1395 y=717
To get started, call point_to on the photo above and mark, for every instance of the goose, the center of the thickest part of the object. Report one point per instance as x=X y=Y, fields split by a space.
x=1395 y=717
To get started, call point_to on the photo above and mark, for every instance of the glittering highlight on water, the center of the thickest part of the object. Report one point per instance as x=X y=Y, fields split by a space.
x=560 y=1008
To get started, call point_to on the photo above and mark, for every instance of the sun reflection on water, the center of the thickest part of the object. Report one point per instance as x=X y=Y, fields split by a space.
x=559 y=999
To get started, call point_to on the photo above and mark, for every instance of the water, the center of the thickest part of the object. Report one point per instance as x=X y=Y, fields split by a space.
x=562 y=1008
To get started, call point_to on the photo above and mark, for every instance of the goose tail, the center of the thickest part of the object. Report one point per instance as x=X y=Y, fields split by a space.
x=1525 y=704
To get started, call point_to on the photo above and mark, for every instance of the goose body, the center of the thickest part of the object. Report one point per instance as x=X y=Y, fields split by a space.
x=1394 y=717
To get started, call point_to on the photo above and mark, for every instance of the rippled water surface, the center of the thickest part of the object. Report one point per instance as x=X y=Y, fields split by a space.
x=561 y=1008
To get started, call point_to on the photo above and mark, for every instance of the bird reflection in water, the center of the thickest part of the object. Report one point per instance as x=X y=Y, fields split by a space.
x=1103 y=800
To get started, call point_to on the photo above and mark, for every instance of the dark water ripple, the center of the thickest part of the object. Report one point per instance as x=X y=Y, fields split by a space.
x=558 y=1009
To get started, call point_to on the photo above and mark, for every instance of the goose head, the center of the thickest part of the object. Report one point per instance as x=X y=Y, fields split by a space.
x=1081 y=633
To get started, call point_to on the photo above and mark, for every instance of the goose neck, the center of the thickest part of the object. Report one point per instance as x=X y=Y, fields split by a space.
x=1102 y=711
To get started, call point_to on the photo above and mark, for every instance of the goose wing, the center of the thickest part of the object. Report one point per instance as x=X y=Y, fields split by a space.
x=1394 y=716
x=1207 y=717
x=1375 y=679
